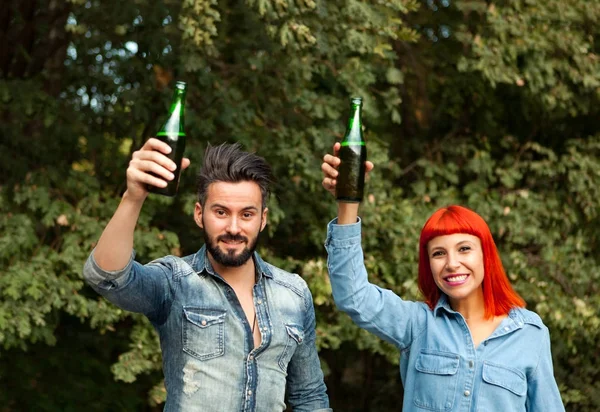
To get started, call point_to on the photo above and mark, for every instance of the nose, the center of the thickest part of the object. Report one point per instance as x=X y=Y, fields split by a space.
x=233 y=228
x=452 y=263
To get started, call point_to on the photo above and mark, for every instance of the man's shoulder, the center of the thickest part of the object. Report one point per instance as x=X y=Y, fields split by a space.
x=176 y=266
x=287 y=279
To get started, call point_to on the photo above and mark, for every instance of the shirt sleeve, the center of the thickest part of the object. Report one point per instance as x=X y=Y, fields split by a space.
x=378 y=310
x=542 y=390
x=136 y=288
x=305 y=387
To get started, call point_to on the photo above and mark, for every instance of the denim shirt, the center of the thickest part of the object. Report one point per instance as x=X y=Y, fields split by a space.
x=209 y=359
x=440 y=367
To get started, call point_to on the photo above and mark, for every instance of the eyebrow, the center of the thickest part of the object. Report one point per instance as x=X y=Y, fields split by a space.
x=220 y=206
x=462 y=242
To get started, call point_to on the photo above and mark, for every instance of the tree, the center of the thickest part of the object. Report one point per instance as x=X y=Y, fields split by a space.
x=491 y=105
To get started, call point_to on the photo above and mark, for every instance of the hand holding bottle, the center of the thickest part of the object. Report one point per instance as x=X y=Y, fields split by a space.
x=347 y=212
x=173 y=134
x=329 y=167
x=353 y=155
x=151 y=167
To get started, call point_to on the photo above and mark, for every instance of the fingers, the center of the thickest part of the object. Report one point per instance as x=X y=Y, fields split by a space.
x=139 y=174
x=330 y=165
x=149 y=166
x=185 y=162
x=329 y=168
x=329 y=184
x=156 y=145
x=148 y=172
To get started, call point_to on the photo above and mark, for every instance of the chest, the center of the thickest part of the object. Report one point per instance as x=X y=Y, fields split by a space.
x=448 y=368
x=216 y=320
x=481 y=330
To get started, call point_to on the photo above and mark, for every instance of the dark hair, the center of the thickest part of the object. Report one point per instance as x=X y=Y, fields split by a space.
x=229 y=163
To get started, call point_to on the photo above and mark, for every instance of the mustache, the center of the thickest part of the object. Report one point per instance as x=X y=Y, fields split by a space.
x=232 y=238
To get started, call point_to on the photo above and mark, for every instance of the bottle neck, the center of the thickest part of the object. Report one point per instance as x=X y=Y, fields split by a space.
x=178 y=102
x=354 y=133
x=174 y=124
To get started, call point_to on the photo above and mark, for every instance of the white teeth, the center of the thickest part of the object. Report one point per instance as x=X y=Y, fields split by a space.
x=459 y=278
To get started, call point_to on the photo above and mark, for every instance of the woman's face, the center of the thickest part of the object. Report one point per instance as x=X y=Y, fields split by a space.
x=456 y=263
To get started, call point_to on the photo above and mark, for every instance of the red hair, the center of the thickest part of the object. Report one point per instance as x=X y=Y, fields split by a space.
x=498 y=295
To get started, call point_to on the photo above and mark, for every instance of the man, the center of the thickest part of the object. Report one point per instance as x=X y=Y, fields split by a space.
x=236 y=333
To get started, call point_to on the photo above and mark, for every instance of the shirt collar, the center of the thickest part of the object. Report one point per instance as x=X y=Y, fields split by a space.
x=201 y=264
x=516 y=316
x=443 y=305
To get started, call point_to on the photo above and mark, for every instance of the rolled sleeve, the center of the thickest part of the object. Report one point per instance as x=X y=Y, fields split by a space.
x=340 y=236
x=137 y=288
x=99 y=278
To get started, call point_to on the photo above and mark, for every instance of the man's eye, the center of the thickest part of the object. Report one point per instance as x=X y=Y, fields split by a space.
x=247 y=215
x=220 y=212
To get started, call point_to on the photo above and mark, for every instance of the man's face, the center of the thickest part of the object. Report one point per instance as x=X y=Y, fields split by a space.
x=232 y=220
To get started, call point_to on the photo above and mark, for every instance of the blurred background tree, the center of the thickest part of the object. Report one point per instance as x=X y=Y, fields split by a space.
x=493 y=105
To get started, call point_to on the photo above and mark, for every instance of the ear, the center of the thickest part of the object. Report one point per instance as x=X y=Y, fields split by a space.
x=264 y=218
x=198 y=215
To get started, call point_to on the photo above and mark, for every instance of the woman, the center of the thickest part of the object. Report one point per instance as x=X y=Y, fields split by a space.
x=471 y=346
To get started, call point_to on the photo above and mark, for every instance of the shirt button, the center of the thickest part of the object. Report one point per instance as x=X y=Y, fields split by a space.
x=507 y=328
x=259 y=301
x=467 y=393
x=203 y=323
x=249 y=392
x=251 y=357
x=471 y=363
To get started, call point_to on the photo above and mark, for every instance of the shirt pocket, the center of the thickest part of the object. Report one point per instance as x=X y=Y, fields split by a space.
x=509 y=379
x=294 y=336
x=435 y=380
x=203 y=332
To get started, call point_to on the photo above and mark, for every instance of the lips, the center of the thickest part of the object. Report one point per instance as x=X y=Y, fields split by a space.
x=456 y=279
x=232 y=240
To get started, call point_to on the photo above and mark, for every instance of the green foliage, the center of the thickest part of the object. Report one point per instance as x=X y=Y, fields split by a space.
x=491 y=105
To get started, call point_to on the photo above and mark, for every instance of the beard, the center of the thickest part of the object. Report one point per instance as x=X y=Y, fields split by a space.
x=230 y=258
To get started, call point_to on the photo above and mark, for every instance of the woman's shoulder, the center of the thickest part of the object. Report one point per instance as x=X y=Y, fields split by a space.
x=526 y=316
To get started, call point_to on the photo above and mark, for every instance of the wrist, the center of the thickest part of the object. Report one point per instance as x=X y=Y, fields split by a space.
x=133 y=200
x=347 y=213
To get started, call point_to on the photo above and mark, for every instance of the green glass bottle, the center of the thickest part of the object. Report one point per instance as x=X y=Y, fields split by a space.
x=173 y=133
x=353 y=155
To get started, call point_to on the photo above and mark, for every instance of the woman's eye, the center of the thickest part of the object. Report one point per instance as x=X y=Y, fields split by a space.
x=464 y=249
x=437 y=253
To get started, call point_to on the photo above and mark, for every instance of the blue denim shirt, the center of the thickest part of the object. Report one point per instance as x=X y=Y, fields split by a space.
x=440 y=367
x=209 y=359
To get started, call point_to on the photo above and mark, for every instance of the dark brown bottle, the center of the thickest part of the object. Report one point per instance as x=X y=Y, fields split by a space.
x=353 y=155
x=173 y=134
